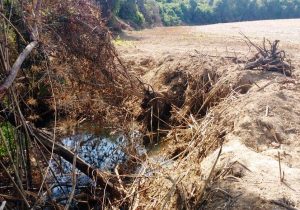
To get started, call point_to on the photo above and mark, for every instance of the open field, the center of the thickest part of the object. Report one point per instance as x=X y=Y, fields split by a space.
x=258 y=112
x=212 y=39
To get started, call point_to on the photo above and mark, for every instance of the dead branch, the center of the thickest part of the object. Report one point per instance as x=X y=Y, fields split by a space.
x=101 y=177
x=282 y=204
x=268 y=57
x=45 y=138
x=17 y=65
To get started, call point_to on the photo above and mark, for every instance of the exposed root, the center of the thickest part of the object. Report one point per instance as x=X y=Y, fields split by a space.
x=268 y=57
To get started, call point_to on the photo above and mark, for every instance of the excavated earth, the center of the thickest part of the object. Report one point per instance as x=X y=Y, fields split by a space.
x=260 y=118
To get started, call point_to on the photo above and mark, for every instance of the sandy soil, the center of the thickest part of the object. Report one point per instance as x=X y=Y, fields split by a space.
x=210 y=38
x=262 y=123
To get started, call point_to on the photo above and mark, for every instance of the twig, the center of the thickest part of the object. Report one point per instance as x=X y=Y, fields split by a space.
x=268 y=58
x=209 y=176
x=15 y=184
x=280 y=173
x=12 y=25
x=267 y=111
x=2 y=205
x=279 y=203
x=73 y=179
x=172 y=190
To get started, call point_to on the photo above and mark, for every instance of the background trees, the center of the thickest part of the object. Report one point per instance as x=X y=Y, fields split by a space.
x=143 y=13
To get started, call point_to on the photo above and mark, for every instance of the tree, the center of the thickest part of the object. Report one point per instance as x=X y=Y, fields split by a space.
x=129 y=11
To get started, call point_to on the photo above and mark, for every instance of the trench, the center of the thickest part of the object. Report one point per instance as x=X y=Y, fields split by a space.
x=106 y=152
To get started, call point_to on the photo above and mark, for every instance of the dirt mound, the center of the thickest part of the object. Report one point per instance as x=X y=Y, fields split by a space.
x=264 y=128
x=215 y=101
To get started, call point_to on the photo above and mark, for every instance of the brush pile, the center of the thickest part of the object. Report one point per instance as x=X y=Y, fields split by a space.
x=71 y=59
x=268 y=58
x=89 y=77
x=184 y=114
x=57 y=61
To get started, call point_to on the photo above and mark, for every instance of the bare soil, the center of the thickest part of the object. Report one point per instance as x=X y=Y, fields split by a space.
x=259 y=112
x=217 y=38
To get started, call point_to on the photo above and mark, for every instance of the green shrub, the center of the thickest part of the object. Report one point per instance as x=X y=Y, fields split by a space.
x=129 y=11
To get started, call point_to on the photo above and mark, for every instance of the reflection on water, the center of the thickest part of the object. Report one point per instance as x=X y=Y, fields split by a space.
x=102 y=153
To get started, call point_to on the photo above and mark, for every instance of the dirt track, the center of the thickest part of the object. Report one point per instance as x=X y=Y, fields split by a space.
x=261 y=121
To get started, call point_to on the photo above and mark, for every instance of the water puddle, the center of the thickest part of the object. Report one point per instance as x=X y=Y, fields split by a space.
x=101 y=152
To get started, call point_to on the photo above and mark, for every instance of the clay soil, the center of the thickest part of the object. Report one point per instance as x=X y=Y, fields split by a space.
x=259 y=117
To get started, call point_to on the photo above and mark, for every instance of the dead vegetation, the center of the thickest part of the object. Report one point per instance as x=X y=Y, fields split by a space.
x=184 y=104
x=268 y=57
x=64 y=66
x=191 y=88
x=209 y=91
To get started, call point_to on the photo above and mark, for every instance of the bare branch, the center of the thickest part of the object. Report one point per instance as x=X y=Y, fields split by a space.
x=17 y=65
x=268 y=58
x=101 y=177
x=12 y=25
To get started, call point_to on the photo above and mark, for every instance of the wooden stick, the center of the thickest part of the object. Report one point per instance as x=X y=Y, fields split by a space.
x=45 y=138
x=15 y=184
x=101 y=177
x=17 y=65
x=279 y=203
x=200 y=196
x=280 y=173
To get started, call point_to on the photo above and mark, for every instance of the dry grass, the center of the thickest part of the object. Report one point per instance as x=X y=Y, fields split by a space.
x=176 y=181
x=74 y=76
x=184 y=105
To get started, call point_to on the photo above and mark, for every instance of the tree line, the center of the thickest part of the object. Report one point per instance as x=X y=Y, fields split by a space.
x=145 y=13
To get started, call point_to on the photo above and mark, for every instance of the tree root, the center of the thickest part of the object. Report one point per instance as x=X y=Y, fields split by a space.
x=268 y=57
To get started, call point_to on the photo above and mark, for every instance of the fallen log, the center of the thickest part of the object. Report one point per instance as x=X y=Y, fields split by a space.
x=100 y=177
x=45 y=138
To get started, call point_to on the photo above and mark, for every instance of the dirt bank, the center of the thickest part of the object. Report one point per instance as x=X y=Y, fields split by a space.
x=254 y=114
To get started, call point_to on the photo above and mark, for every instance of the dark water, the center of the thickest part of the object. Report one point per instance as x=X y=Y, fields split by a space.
x=101 y=152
